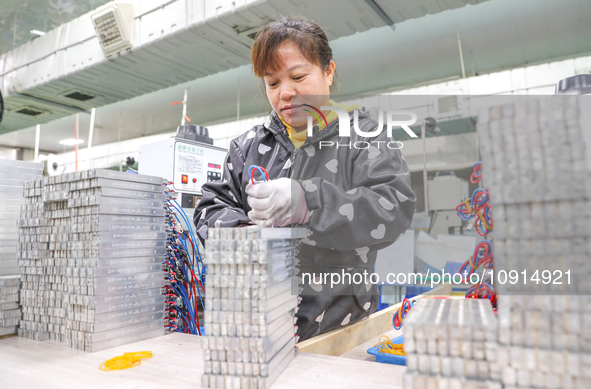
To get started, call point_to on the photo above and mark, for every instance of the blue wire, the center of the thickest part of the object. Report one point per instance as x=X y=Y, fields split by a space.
x=180 y=311
x=474 y=194
x=253 y=167
x=183 y=242
x=196 y=246
x=182 y=263
x=199 y=271
x=189 y=225
x=183 y=266
x=188 y=306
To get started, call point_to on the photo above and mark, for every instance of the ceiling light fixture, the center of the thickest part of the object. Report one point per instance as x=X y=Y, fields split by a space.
x=37 y=32
x=71 y=142
x=378 y=10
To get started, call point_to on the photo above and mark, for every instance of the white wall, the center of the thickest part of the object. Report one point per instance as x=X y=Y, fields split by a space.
x=108 y=155
x=112 y=154
x=530 y=80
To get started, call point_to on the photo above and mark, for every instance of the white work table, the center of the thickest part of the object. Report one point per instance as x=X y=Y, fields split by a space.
x=177 y=362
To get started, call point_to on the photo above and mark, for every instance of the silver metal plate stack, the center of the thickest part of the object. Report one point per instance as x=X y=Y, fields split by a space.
x=251 y=300
x=451 y=344
x=14 y=175
x=535 y=163
x=92 y=246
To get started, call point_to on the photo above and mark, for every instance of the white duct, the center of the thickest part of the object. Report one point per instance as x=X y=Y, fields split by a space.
x=166 y=42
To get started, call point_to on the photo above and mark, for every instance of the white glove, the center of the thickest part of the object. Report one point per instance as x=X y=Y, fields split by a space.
x=278 y=203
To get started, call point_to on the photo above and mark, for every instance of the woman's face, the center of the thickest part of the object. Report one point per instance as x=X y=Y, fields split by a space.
x=297 y=81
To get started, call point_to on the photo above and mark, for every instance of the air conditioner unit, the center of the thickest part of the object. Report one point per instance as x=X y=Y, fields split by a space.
x=114 y=27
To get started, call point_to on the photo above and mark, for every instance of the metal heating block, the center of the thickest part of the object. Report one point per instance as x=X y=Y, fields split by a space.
x=92 y=245
x=451 y=344
x=535 y=162
x=14 y=175
x=252 y=296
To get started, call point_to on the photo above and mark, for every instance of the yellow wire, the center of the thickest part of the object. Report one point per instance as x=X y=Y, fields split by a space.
x=386 y=346
x=125 y=361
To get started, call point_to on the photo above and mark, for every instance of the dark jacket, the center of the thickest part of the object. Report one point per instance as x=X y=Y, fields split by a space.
x=359 y=197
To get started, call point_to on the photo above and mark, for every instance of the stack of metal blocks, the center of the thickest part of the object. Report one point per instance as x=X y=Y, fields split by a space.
x=92 y=247
x=534 y=162
x=251 y=300
x=451 y=344
x=14 y=175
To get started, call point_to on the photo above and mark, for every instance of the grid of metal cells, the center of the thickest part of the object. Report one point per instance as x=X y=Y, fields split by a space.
x=92 y=245
x=535 y=164
x=451 y=344
x=14 y=175
x=249 y=317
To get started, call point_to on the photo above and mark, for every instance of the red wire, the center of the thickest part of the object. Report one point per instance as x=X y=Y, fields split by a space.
x=192 y=245
x=252 y=174
x=195 y=298
x=475 y=178
x=186 y=325
x=402 y=311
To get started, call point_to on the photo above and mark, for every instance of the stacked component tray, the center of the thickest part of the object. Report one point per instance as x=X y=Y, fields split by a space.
x=92 y=247
x=250 y=305
x=14 y=175
x=451 y=344
x=535 y=164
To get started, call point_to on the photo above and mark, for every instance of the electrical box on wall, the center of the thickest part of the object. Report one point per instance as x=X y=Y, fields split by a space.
x=187 y=164
x=446 y=192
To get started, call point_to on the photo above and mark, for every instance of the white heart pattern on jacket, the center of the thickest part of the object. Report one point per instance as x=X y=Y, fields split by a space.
x=332 y=165
x=263 y=148
x=379 y=232
x=347 y=210
x=362 y=253
x=316 y=284
x=400 y=196
x=373 y=152
x=309 y=186
x=386 y=204
x=320 y=317
x=346 y=320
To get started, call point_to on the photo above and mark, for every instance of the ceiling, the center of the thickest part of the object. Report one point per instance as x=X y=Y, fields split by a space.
x=172 y=42
x=495 y=35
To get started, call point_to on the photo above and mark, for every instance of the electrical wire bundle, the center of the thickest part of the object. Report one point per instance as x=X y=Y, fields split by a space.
x=483 y=290
x=479 y=207
x=482 y=257
x=476 y=175
x=401 y=313
x=387 y=347
x=184 y=272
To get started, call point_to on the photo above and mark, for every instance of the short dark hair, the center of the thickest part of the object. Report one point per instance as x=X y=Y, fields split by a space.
x=307 y=35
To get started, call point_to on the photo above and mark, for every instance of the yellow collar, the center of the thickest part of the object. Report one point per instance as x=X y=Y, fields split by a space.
x=298 y=138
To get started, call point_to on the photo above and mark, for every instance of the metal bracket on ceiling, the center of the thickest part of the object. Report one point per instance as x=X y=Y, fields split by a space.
x=377 y=9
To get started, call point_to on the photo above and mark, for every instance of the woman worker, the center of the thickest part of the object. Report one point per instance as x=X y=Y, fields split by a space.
x=353 y=200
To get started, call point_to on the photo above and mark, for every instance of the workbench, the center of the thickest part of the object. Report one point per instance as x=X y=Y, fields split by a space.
x=336 y=359
x=177 y=362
